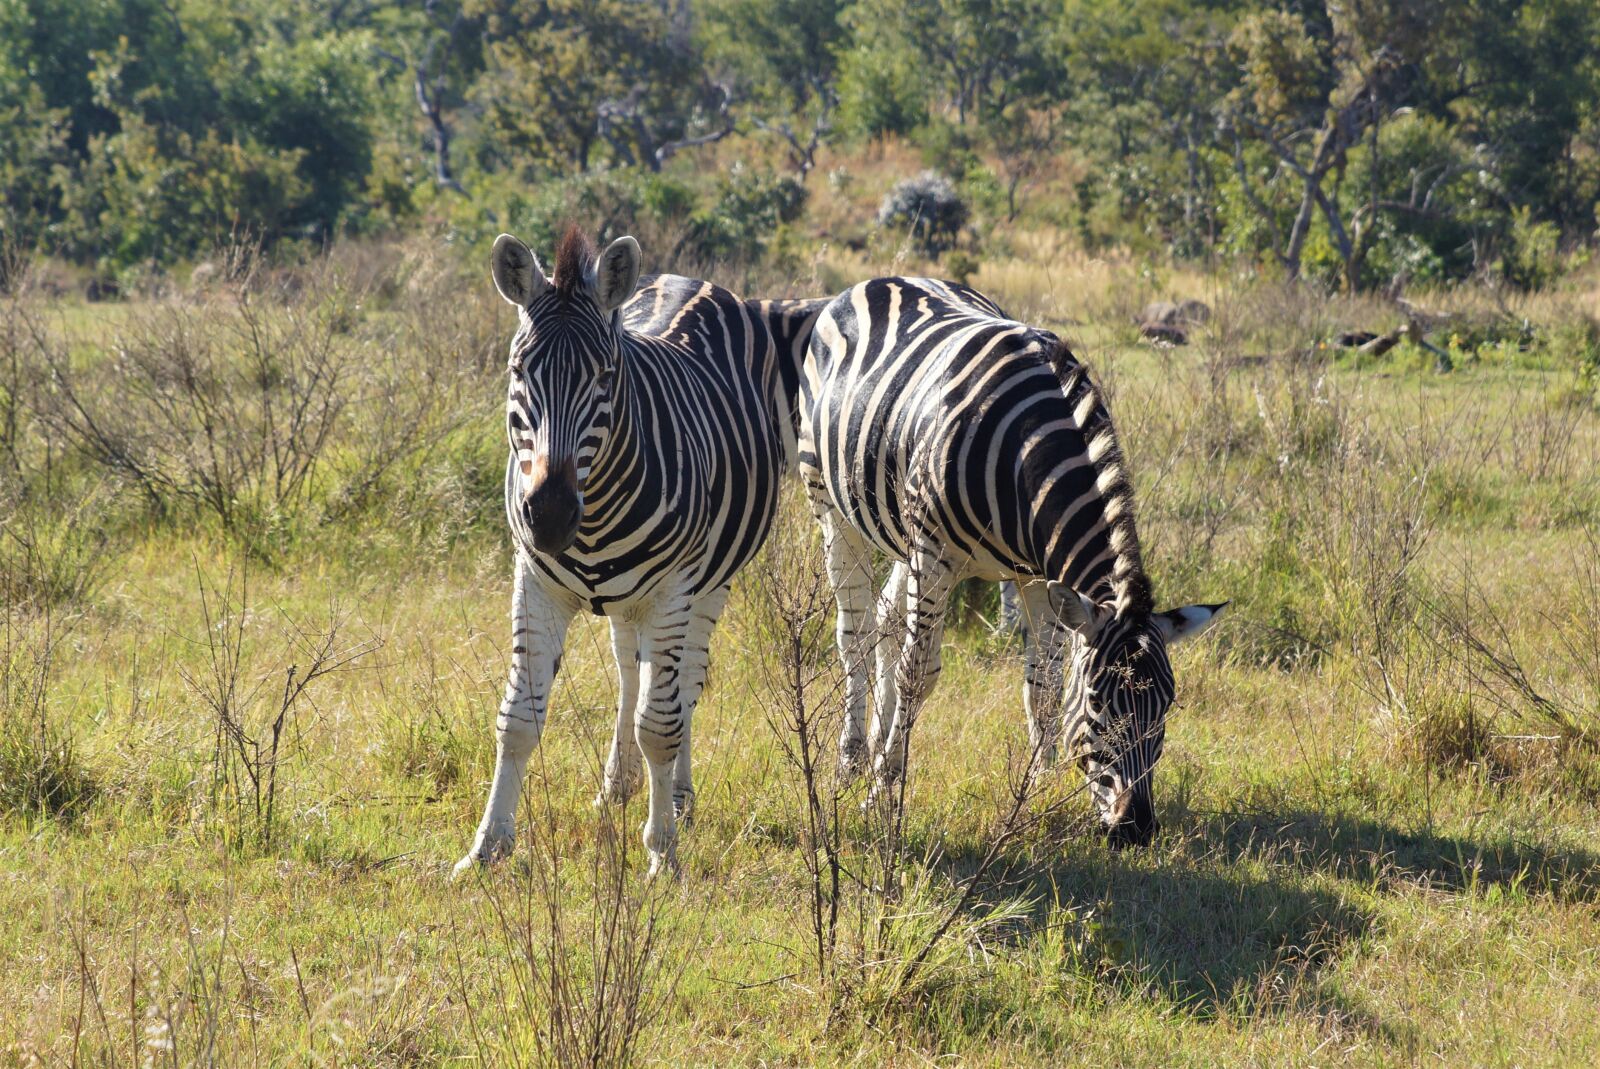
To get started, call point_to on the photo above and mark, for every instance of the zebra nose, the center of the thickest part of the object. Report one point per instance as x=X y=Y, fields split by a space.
x=1135 y=825
x=552 y=510
x=1128 y=833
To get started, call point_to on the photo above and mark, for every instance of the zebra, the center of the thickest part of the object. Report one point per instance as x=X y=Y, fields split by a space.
x=959 y=442
x=650 y=424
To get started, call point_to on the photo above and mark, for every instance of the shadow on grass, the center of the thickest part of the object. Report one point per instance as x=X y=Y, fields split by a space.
x=1388 y=857
x=1217 y=935
x=1236 y=913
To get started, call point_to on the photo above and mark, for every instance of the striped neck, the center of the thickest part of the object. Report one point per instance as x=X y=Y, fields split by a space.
x=1093 y=545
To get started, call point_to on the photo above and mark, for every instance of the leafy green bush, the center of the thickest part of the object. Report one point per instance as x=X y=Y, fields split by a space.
x=744 y=214
x=880 y=93
x=1532 y=251
x=152 y=195
x=927 y=208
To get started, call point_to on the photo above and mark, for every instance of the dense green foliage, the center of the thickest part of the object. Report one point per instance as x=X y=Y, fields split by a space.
x=1358 y=143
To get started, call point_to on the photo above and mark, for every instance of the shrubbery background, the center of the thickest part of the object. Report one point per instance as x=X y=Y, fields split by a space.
x=1360 y=144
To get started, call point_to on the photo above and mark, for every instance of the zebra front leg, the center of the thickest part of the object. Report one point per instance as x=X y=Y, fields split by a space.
x=538 y=631
x=930 y=578
x=1043 y=657
x=696 y=657
x=849 y=563
x=624 y=766
x=661 y=726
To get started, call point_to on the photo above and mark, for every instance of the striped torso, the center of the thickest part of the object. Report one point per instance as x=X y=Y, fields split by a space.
x=927 y=410
x=685 y=489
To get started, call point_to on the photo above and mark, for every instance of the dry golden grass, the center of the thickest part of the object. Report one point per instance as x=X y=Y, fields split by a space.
x=1373 y=852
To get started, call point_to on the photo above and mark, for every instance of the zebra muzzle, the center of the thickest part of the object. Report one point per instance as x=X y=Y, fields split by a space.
x=1134 y=824
x=552 y=507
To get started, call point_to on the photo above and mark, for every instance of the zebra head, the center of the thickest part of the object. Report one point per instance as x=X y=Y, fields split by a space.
x=563 y=370
x=1118 y=693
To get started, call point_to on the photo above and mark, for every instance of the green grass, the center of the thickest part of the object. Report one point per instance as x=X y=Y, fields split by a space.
x=1333 y=885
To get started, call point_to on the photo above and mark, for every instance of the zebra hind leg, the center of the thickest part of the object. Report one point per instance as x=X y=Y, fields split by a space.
x=891 y=635
x=696 y=657
x=930 y=577
x=1043 y=657
x=849 y=563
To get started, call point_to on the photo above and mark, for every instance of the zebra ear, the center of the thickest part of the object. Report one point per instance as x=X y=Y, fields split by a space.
x=1075 y=610
x=617 y=273
x=517 y=274
x=1177 y=625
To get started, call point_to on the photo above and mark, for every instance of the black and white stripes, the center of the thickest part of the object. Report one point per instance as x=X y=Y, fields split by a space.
x=648 y=435
x=959 y=442
x=649 y=428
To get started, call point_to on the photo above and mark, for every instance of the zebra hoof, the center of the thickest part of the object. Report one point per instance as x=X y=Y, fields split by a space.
x=853 y=757
x=664 y=865
x=619 y=785
x=885 y=792
x=490 y=848
x=615 y=791
x=683 y=807
x=886 y=777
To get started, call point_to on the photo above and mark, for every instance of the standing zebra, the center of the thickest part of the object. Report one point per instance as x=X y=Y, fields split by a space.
x=649 y=431
x=960 y=442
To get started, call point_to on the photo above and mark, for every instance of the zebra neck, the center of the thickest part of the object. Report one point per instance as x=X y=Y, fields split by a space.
x=1092 y=544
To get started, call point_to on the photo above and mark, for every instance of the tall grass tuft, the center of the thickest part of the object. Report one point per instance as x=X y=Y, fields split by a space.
x=255 y=705
x=585 y=958
x=42 y=773
x=890 y=923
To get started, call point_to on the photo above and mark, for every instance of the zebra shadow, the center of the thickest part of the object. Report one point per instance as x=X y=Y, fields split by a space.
x=1218 y=936
x=1236 y=914
x=1391 y=858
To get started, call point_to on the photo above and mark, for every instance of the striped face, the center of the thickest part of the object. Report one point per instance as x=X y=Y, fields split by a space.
x=563 y=373
x=1118 y=694
x=1116 y=702
x=564 y=376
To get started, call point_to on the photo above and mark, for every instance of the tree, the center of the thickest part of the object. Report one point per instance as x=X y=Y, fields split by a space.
x=781 y=56
x=1522 y=79
x=1309 y=102
x=437 y=49
x=976 y=54
x=1145 y=80
x=568 y=75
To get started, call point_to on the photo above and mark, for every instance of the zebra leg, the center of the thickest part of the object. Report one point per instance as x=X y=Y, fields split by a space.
x=891 y=636
x=1043 y=655
x=661 y=726
x=624 y=765
x=696 y=656
x=538 y=631
x=930 y=578
x=1011 y=614
x=849 y=562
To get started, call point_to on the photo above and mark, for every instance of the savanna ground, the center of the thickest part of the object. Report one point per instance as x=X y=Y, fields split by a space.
x=1379 y=795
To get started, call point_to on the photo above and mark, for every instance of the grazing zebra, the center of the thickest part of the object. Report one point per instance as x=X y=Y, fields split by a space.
x=649 y=432
x=960 y=442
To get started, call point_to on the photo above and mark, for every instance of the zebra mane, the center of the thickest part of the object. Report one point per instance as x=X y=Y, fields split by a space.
x=575 y=260
x=1129 y=584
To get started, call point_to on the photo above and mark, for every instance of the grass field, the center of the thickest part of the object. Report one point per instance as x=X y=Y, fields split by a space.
x=1380 y=801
